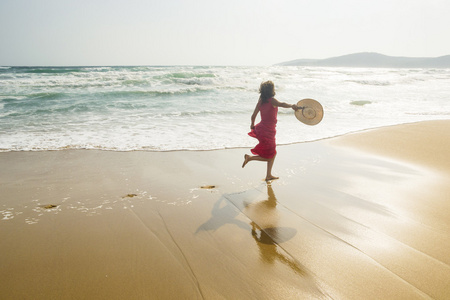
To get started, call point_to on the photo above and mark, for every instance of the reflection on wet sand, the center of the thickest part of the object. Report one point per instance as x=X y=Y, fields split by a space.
x=263 y=213
x=267 y=234
x=268 y=249
x=272 y=257
x=264 y=225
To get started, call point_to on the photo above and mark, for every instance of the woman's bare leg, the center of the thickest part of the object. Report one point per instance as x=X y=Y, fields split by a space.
x=248 y=158
x=269 y=175
x=269 y=161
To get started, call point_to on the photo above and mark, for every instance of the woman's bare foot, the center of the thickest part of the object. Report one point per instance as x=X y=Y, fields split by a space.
x=271 y=177
x=246 y=159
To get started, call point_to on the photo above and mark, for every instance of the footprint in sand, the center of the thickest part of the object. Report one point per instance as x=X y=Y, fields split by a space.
x=49 y=206
x=208 y=187
x=129 y=196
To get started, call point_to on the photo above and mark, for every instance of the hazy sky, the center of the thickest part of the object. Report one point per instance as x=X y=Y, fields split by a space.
x=216 y=32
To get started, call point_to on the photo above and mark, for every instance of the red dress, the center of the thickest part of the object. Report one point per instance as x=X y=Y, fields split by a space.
x=265 y=131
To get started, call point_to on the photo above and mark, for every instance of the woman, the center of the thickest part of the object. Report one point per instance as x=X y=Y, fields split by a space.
x=265 y=130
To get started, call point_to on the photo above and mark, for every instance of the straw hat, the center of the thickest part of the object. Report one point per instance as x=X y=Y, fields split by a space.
x=311 y=113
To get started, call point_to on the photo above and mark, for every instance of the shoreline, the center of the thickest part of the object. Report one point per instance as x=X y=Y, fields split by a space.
x=226 y=148
x=348 y=218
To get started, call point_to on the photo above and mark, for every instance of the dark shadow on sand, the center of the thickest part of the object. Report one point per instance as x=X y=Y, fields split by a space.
x=223 y=212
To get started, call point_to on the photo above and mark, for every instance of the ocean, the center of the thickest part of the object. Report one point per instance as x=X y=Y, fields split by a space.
x=165 y=108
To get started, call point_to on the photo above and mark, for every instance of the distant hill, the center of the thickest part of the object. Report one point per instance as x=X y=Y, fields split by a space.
x=373 y=60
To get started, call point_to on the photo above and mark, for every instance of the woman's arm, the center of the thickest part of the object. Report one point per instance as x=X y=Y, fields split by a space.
x=275 y=102
x=255 y=113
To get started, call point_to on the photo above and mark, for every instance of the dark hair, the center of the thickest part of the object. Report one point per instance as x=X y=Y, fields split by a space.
x=267 y=90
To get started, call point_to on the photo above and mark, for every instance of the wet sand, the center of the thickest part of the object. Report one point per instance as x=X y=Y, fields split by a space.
x=363 y=216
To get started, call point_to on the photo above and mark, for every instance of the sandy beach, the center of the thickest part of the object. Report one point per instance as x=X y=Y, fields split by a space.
x=361 y=216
